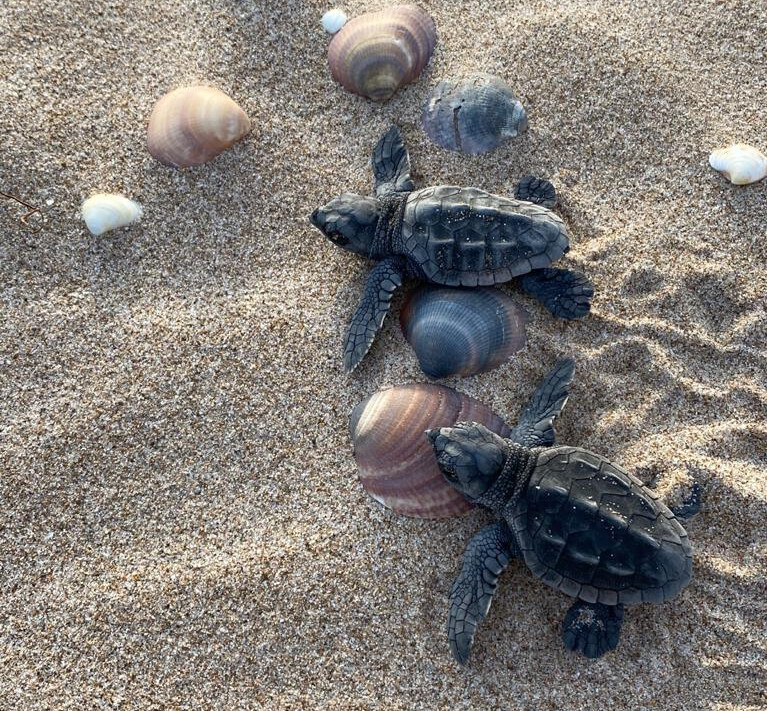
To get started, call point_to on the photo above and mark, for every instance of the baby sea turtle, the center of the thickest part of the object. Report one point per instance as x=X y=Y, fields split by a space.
x=448 y=235
x=581 y=525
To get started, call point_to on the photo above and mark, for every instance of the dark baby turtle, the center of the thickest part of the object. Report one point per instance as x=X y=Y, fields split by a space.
x=581 y=525
x=448 y=235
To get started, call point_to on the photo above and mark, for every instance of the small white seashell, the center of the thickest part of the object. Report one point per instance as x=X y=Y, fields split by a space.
x=106 y=211
x=741 y=164
x=333 y=20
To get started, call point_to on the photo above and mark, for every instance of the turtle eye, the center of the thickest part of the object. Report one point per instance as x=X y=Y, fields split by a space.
x=449 y=475
x=339 y=239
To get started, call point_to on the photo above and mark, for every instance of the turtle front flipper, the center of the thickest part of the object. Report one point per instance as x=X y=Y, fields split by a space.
x=486 y=557
x=391 y=165
x=536 y=425
x=565 y=292
x=592 y=628
x=382 y=282
x=536 y=190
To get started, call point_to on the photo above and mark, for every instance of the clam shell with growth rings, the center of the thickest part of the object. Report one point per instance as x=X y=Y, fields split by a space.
x=742 y=164
x=192 y=125
x=378 y=52
x=462 y=331
x=396 y=463
x=473 y=113
x=107 y=211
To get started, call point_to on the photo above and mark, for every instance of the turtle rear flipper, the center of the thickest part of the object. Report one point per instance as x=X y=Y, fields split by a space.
x=536 y=425
x=565 y=292
x=592 y=628
x=382 y=282
x=486 y=557
x=690 y=506
x=391 y=165
x=536 y=190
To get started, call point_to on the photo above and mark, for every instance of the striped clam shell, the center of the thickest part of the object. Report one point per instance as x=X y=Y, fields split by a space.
x=396 y=463
x=473 y=113
x=193 y=124
x=462 y=331
x=376 y=53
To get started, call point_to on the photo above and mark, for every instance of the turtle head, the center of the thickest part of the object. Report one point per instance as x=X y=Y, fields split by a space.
x=348 y=221
x=470 y=456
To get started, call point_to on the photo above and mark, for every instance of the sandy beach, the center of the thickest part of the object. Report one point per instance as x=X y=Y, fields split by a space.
x=182 y=526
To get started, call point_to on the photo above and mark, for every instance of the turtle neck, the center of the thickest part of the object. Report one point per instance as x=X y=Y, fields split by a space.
x=386 y=240
x=518 y=466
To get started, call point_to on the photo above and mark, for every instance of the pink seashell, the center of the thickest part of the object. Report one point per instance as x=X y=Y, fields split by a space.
x=192 y=125
x=376 y=53
x=396 y=463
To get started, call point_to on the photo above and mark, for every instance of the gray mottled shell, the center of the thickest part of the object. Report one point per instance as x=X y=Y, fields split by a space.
x=473 y=113
x=462 y=331
x=396 y=463
x=376 y=53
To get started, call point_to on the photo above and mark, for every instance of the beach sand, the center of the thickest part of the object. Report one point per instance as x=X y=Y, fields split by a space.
x=182 y=526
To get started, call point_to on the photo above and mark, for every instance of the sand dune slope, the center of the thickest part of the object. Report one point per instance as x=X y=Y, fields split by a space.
x=181 y=522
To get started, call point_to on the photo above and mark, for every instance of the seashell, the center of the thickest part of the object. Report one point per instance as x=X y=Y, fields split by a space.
x=107 y=211
x=742 y=164
x=333 y=20
x=192 y=125
x=396 y=463
x=462 y=331
x=378 y=52
x=473 y=113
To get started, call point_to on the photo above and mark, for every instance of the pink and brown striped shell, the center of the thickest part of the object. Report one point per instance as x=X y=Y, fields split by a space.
x=396 y=463
x=192 y=125
x=378 y=52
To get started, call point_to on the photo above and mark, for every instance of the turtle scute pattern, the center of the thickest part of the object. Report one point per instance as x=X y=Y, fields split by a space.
x=595 y=532
x=468 y=237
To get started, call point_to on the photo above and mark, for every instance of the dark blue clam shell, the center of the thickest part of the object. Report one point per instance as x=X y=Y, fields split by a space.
x=462 y=331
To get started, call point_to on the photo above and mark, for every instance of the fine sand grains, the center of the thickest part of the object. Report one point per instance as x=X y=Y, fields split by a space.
x=181 y=523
